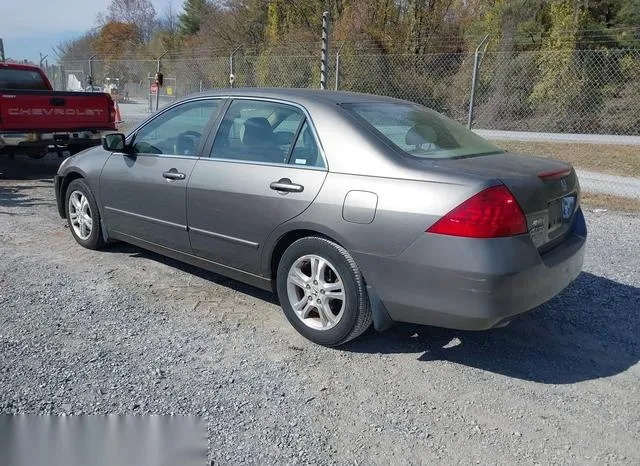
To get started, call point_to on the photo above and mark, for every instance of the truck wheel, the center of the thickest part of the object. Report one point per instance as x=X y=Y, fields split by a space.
x=322 y=292
x=83 y=215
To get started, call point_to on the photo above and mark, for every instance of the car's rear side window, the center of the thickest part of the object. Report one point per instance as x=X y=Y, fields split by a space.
x=419 y=131
x=22 y=80
x=306 y=152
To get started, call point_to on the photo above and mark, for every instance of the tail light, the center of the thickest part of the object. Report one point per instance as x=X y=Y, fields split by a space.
x=491 y=213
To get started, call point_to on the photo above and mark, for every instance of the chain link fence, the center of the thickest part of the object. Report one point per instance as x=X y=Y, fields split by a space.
x=565 y=91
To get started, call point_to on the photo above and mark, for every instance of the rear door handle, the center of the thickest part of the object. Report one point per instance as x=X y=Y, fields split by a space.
x=173 y=175
x=286 y=186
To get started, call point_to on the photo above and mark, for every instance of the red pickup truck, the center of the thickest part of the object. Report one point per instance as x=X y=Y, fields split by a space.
x=35 y=119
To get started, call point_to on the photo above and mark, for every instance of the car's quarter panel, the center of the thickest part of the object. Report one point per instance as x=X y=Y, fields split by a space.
x=231 y=208
x=404 y=210
x=139 y=201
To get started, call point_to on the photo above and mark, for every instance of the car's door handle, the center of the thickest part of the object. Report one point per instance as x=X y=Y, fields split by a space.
x=173 y=174
x=286 y=186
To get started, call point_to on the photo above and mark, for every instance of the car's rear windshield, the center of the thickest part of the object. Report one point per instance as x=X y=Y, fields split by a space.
x=419 y=131
x=21 y=79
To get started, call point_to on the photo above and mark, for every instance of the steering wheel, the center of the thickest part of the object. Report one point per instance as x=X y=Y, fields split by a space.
x=146 y=148
x=190 y=133
x=187 y=141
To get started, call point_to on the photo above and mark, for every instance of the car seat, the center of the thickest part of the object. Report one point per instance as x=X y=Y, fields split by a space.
x=259 y=142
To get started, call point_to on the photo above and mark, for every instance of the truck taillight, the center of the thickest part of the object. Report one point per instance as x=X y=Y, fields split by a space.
x=491 y=213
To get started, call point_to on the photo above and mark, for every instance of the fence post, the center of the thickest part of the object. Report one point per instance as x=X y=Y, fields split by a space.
x=158 y=87
x=325 y=47
x=476 y=64
x=91 y=58
x=338 y=66
x=232 y=76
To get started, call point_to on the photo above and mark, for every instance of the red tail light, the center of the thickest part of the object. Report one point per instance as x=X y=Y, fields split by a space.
x=491 y=213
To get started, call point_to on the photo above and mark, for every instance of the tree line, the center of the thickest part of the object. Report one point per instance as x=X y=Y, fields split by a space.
x=551 y=65
x=133 y=29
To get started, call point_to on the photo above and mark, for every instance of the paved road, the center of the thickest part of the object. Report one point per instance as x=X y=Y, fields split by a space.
x=557 y=137
x=595 y=182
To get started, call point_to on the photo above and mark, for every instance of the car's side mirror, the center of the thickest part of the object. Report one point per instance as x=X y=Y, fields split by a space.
x=114 y=142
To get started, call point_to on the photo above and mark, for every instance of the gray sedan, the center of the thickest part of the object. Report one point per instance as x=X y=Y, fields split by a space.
x=353 y=208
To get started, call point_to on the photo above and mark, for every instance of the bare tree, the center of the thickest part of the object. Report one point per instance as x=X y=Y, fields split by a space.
x=168 y=20
x=138 y=12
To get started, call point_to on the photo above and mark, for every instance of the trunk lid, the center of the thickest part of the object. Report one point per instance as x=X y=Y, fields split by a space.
x=50 y=111
x=547 y=190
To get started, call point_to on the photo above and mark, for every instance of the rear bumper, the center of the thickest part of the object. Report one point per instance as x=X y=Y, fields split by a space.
x=472 y=284
x=38 y=140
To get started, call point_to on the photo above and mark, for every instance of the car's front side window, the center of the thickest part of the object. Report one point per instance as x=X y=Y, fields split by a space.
x=177 y=131
x=257 y=131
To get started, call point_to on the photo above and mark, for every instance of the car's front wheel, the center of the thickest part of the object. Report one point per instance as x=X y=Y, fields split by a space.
x=322 y=291
x=83 y=216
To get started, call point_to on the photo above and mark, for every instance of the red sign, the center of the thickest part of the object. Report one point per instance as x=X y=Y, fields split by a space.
x=154 y=88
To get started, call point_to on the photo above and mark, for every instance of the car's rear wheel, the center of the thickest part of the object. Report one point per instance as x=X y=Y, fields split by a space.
x=322 y=292
x=83 y=216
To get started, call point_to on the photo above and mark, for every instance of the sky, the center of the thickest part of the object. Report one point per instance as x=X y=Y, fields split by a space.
x=32 y=27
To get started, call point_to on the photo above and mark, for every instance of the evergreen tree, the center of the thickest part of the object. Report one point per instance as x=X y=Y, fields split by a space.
x=191 y=18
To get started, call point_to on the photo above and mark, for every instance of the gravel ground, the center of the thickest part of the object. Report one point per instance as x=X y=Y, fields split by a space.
x=126 y=331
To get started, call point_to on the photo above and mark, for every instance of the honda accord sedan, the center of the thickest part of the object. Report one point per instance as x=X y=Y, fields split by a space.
x=355 y=209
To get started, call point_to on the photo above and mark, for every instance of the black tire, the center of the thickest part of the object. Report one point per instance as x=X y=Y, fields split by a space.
x=356 y=316
x=95 y=239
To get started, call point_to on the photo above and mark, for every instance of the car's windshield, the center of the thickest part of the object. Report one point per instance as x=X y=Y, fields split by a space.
x=21 y=79
x=419 y=131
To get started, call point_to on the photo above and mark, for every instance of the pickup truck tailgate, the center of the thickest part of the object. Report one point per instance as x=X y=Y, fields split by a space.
x=49 y=111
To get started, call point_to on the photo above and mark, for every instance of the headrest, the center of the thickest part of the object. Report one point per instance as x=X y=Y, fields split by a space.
x=256 y=131
x=419 y=135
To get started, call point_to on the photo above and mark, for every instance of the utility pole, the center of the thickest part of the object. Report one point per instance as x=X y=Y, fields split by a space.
x=1 y=50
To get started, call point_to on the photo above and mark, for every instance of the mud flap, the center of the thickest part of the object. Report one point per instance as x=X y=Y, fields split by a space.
x=381 y=319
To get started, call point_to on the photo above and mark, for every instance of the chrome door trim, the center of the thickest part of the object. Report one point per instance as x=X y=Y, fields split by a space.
x=150 y=219
x=231 y=239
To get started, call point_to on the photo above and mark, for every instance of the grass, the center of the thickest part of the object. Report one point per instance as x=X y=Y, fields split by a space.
x=610 y=202
x=605 y=158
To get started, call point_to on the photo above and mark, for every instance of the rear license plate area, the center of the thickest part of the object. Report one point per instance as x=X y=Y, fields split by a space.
x=560 y=212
